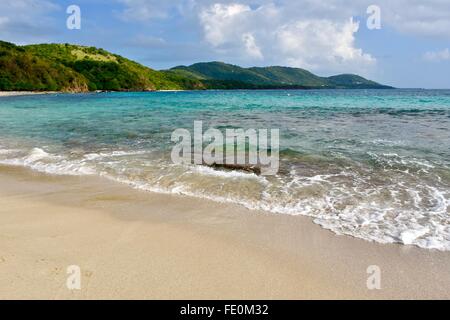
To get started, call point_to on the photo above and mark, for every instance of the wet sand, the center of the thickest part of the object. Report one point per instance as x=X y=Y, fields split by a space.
x=131 y=244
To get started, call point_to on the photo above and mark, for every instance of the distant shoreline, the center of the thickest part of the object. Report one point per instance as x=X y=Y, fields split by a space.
x=29 y=93
x=24 y=93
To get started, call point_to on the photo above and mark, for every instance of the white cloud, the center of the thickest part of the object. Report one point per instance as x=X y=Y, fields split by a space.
x=430 y=18
x=20 y=10
x=24 y=21
x=416 y=17
x=306 y=33
x=251 y=47
x=269 y=33
x=220 y=22
x=315 y=44
x=437 y=56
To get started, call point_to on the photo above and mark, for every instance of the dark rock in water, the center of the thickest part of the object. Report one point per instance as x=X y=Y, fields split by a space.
x=238 y=167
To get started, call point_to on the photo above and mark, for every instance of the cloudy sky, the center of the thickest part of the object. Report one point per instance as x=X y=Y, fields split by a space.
x=411 y=49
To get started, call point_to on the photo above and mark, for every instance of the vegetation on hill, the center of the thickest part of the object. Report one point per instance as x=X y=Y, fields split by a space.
x=21 y=70
x=73 y=68
x=271 y=77
x=222 y=71
x=351 y=80
x=290 y=76
x=107 y=71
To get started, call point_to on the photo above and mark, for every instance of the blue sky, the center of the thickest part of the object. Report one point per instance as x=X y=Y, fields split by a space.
x=327 y=37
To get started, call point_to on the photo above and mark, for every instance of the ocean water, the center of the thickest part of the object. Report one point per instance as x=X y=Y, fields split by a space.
x=374 y=164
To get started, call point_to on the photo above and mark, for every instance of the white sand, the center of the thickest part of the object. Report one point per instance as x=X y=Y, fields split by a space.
x=131 y=244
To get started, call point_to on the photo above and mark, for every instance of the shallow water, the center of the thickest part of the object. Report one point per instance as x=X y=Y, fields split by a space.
x=374 y=164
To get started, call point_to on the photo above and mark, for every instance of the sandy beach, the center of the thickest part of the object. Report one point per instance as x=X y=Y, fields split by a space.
x=23 y=93
x=226 y=150
x=138 y=245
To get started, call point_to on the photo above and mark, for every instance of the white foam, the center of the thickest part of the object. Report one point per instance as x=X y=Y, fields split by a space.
x=8 y=151
x=409 y=236
x=412 y=214
x=41 y=161
x=386 y=142
x=392 y=159
x=35 y=155
x=101 y=155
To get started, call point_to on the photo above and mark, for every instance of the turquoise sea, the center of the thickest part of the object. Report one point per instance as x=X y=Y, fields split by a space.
x=373 y=164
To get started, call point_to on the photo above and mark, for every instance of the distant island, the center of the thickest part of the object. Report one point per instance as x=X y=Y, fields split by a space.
x=74 y=68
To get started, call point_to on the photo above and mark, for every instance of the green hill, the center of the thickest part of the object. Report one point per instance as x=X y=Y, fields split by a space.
x=351 y=80
x=65 y=67
x=290 y=76
x=74 y=68
x=21 y=70
x=270 y=77
x=223 y=71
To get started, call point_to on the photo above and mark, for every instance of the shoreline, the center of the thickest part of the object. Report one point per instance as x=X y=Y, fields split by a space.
x=32 y=93
x=25 y=93
x=133 y=244
x=38 y=93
